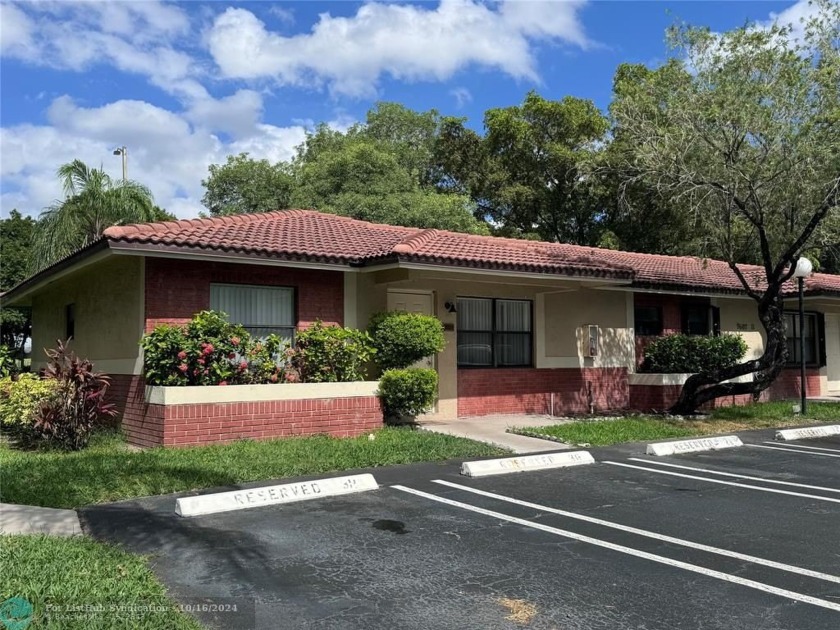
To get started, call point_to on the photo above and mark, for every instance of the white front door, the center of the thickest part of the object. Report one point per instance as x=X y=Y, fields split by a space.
x=412 y=302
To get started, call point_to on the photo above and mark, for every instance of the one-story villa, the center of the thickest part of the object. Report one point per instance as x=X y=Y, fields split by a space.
x=531 y=327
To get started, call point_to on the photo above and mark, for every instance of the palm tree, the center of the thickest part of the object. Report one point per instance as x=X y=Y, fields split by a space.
x=92 y=202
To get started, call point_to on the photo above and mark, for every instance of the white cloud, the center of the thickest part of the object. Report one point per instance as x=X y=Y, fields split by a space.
x=135 y=37
x=795 y=16
x=165 y=151
x=410 y=42
x=462 y=96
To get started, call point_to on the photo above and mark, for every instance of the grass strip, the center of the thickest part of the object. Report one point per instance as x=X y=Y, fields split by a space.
x=720 y=421
x=109 y=471
x=77 y=583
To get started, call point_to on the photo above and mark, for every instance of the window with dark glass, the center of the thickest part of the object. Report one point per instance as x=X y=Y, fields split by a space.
x=494 y=333
x=811 y=338
x=69 y=321
x=261 y=310
x=696 y=319
x=648 y=320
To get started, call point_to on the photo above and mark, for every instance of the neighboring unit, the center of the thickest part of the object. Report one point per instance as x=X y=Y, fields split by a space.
x=531 y=327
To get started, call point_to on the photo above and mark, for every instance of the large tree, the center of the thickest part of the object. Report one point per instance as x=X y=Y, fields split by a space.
x=379 y=170
x=741 y=131
x=16 y=233
x=243 y=184
x=527 y=172
x=92 y=202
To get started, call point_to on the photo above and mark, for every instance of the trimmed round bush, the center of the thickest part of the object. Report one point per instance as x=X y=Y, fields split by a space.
x=693 y=354
x=401 y=339
x=405 y=394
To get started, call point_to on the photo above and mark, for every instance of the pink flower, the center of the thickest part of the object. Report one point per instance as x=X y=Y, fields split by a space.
x=201 y=361
x=291 y=377
x=195 y=372
x=243 y=365
x=222 y=382
x=234 y=341
x=183 y=367
x=231 y=355
x=273 y=378
x=182 y=355
x=208 y=348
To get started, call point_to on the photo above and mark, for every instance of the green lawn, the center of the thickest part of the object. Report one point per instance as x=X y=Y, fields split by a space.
x=108 y=471
x=723 y=420
x=73 y=583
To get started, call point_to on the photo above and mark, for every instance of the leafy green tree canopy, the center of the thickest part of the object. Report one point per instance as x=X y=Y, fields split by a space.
x=16 y=234
x=243 y=184
x=741 y=132
x=527 y=173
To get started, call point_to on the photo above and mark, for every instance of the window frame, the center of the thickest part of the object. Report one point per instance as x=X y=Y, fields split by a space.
x=493 y=332
x=661 y=320
x=70 y=321
x=685 y=307
x=275 y=328
x=792 y=361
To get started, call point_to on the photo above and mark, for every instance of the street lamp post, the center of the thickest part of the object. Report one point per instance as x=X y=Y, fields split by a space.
x=803 y=270
x=123 y=151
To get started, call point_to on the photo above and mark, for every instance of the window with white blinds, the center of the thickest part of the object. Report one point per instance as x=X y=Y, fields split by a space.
x=494 y=333
x=261 y=310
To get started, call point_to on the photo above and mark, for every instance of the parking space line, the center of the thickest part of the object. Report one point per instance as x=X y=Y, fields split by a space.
x=726 y=474
x=726 y=577
x=648 y=534
x=815 y=448
x=725 y=483
x=791 y=450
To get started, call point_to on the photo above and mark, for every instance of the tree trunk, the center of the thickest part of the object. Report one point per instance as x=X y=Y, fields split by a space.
x=702 y=388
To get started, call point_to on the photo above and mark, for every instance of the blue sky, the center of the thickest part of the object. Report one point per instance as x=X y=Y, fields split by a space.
x=184 y=85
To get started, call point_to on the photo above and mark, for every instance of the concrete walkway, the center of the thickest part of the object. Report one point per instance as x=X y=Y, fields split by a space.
x=493 y=430
x=29 y=519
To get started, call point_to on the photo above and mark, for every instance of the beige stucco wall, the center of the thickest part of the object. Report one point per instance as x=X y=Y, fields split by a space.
x=108 y=300
x=832 y=351
x=559 y=318
x=741 y=316
x=567 y=318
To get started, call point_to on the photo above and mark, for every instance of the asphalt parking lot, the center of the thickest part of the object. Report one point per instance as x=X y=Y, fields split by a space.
x=740 y=538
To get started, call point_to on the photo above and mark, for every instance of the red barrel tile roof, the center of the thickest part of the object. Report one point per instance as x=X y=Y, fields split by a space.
x=314 y=236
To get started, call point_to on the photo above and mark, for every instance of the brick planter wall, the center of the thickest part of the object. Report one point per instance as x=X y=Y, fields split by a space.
x=150 y=423
x=528 y=390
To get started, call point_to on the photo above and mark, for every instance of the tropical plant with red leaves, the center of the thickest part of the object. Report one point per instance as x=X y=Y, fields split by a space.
x=78 y=406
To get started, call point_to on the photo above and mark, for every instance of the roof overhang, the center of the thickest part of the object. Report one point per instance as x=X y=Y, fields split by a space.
x=93 y=253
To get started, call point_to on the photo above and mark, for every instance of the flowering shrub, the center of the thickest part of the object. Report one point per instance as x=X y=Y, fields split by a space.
x=210 y=350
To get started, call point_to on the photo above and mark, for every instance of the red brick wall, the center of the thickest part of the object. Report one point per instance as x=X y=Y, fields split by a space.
x=528 y=390
x=785 y=387
x=177 y=289
x=193 y=424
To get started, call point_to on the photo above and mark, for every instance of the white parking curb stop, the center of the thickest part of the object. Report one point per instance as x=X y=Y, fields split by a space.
x=693 y=446
x=273 y=495
x=808 y=432
x=562 y=459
